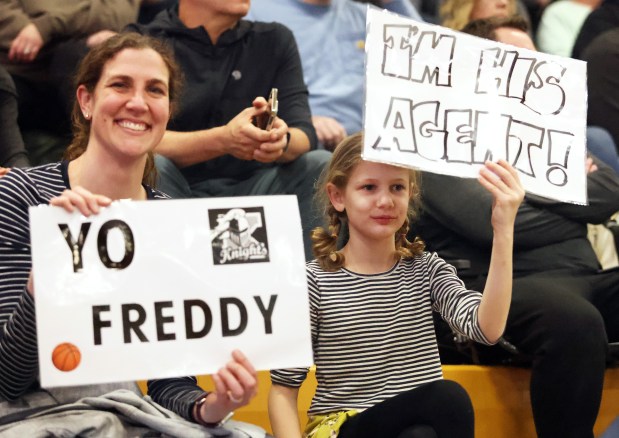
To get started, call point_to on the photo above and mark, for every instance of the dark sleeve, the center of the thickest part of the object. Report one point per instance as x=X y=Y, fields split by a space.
x=12 y=148
x=82 y=18
x=602 y=193
x=111 y=15
x=19 y=364
x=178 y=394
x=18 y=342
x=464 y=206
x=292 y=93
x=14 y=19
x=596 y=23
x=136 y=27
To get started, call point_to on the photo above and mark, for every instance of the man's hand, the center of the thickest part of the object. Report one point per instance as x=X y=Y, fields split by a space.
x=245 y=139
x=329 y=131
x=99 y=37
x=4 y=171
x=590 y=166
x=273 y=149
x=26 y=45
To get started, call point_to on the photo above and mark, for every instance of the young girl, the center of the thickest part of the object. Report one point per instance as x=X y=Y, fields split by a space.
x=371 y=303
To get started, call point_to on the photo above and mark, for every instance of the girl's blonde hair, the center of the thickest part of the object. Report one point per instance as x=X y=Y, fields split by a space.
x=345 y=158
x=455 y=14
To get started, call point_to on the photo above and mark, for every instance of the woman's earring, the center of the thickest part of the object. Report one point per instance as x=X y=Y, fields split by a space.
x=87 y=115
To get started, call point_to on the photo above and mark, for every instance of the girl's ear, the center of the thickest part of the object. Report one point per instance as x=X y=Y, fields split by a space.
x=336 y=197
x=84 y=98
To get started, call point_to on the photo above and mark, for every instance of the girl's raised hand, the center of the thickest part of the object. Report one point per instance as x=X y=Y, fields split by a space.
x=86 y=202
x=502 y=181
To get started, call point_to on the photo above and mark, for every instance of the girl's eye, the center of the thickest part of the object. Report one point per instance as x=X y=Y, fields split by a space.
x=368 y=187
x=398 y=187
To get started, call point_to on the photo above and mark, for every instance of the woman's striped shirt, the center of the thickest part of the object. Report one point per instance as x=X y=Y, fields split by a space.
x=373 y=335
x=19 y=190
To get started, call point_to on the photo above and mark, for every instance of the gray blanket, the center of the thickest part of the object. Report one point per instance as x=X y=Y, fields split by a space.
x=120 y=413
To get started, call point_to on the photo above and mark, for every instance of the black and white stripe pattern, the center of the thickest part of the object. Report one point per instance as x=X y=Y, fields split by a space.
x=19 y=190
x=177 y=394
x=373 y=335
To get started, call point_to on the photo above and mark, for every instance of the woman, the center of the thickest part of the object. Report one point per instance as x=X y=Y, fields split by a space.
x=120 y=114
x=455 y=14
x=126 y=88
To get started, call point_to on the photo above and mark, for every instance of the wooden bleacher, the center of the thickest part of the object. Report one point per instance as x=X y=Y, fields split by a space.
x=500 y=398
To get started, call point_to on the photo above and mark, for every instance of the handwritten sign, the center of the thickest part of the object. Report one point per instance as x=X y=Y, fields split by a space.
x=169 y=288
x=445 y=102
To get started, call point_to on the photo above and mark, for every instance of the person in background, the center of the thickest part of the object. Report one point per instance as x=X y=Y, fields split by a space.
x=557 y=278
x=33 y=34
x=371 y=305
x=212 y=147
x=331 y=39
x=560 y=23
x=513 y=30
x=605 y=17
x=601 y=56
x=456 y=14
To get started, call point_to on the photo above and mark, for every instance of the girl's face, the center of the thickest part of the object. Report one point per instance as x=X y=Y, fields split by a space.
x=490 y=8
x=375 y=200
x=130 y=105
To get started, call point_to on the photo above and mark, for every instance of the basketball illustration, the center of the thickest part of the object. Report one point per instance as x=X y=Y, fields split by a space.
x=66 y=357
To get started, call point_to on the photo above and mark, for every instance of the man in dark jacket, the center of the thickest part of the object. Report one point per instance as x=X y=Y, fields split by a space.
x=564 y=309
x=212 y=147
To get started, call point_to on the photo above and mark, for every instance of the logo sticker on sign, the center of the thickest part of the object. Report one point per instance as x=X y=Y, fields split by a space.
x=238 y=235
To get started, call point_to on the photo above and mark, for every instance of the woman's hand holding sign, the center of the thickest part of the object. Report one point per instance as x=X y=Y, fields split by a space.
x=85 y=201
x=235 y=385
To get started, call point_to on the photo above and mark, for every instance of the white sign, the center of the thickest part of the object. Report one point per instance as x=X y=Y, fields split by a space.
x=169 y=288
x=444 y=102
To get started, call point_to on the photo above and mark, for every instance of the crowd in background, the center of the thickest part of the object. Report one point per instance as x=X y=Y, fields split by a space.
x=206 y=144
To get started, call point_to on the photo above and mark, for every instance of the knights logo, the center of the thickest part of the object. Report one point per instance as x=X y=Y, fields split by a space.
x=238 y=235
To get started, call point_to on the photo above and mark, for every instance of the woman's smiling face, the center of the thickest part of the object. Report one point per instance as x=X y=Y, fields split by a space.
x=130 y=106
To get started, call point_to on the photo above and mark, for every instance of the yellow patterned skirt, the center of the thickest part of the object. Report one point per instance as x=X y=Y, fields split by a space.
x=327 y=426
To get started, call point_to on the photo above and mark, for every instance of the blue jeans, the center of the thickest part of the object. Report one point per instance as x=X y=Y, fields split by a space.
x=612 y=431
x=297 y=177
x=601 y=144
